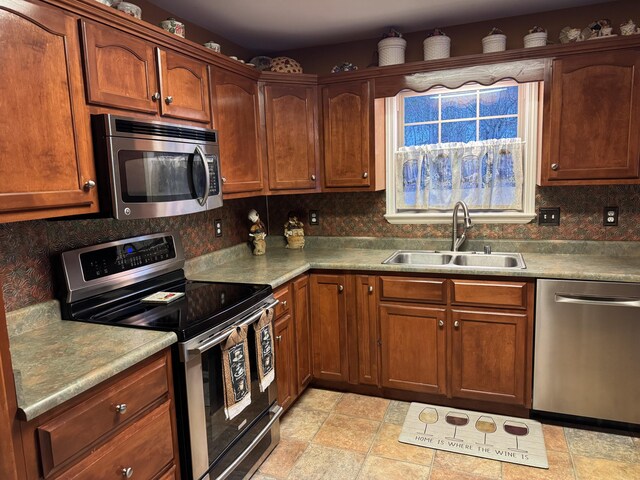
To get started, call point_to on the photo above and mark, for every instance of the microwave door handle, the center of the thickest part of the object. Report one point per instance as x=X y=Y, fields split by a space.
x=200 y=152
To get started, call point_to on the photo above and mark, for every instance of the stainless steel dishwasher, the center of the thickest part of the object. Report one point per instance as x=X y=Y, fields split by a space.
x=587 y=349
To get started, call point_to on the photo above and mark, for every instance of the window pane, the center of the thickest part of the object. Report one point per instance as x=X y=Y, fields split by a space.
x=459 y=105
x=420 y=135
x=421 y=109
x=499 y=101
x=498 y=128
x=459 y=131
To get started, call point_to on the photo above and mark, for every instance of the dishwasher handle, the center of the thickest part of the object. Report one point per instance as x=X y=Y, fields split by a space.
x=610 y=301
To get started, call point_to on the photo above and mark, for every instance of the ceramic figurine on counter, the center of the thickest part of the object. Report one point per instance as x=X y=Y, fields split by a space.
x=258 y=232
x=294 y=232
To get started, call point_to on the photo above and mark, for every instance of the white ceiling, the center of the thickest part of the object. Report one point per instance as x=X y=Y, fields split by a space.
x=272 y=25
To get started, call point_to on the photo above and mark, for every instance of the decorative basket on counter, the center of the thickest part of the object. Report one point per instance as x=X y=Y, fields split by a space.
x=295 y=238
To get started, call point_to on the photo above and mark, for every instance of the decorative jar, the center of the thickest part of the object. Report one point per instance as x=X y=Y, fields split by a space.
x=171 y=25
x=391 y=51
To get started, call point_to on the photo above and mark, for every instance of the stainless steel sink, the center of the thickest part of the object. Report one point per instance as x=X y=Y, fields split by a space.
x=457 y=260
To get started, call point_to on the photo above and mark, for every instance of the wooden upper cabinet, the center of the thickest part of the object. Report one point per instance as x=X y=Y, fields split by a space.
x=184 y=87
x=347 y=112
x=46 y=156
x=236 y=116
x=592 y=119
x=292 y=136
x=120 y=69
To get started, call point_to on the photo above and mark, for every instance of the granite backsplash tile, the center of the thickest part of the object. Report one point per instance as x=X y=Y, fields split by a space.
x=29 y=251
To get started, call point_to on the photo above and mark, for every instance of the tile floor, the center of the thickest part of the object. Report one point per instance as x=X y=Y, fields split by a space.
x=333 y=436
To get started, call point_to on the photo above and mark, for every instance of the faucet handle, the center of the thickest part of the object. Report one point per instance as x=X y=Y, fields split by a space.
x=487 y=249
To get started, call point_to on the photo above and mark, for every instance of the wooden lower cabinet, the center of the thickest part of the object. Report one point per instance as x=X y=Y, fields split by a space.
x=285 y=360
x=413 y=348
x=489 y=355
x=302 y=322
x=367 y=331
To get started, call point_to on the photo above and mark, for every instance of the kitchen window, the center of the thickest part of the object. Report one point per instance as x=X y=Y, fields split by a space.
x=474 y=143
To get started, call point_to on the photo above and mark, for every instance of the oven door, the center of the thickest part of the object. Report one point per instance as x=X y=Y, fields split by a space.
x=151 y=178
x=222 y=448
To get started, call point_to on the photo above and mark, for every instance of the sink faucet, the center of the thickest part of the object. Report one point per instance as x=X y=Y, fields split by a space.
x=455 y=241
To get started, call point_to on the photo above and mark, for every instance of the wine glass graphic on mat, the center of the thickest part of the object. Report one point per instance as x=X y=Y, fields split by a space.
x=428 y=415
x=457 y=419
x=518 y=429
x=485 y=424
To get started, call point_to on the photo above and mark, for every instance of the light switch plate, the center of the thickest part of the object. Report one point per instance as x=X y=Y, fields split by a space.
x=549 y=216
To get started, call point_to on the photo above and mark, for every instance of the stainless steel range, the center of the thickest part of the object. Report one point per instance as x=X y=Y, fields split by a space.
x=109 y=283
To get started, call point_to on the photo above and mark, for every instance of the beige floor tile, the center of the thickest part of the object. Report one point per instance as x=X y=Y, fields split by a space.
x=341 y=431
x=386 y=445
x=396 y=412
x=317 y=399
x=300 y=424
x=362 y=406
x=438 y=473
x=591 y=444
x=324 y=463
x=260 y=476
x=554 y=438
x=283 y=458
x=560 y=468
x=601 y=469
x=467 y=464
x=376 y=468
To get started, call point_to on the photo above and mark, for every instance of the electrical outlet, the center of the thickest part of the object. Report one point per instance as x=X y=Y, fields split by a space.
x=610 y=217
x=314 y=217
x=218 y=226
x=549 y=216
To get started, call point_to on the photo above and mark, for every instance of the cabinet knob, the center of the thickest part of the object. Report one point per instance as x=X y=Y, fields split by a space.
x=168 y=100
x=370 y=288
x=456 y=324
x=89 y=185
x=365 y=175
x=155 y=97
x=555 y=166
x=121 y=408
x=279 y=337
x=313 y=177
x=441 y=323
x=284 y=303
x=340 y=288
x=224 y=180
x=127 y=472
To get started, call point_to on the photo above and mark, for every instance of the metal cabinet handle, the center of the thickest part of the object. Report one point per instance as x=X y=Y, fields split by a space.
x=441 y=323
x=340 y=288
x=127 y=472
x=370 y=288
x=89 y=184
x=555 y=166
x=168 y=100
x=365 y=175
x=121 y=408
x=456 y=324
x=313 y=177
x=279 y=337
x=155 y=97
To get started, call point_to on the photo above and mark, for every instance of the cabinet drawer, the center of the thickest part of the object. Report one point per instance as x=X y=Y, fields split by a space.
x=490 y=293
x=422 y=290
x=283 y=294
x=82 y=425
x=146 y=447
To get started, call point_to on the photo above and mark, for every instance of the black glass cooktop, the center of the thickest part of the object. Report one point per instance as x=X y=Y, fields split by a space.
x=205 y=306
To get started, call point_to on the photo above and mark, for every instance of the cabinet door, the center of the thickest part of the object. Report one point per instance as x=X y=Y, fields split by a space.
x=302 y=320
x=347 y=115
x=46 y=157
x=367 y=330
x=236 y=117
x=285 y=361
x=184 y=87
x=593 y=118
x=489 y=356
x=119 y=69
x=413 y=348
x=329 y=327
x=292 y=147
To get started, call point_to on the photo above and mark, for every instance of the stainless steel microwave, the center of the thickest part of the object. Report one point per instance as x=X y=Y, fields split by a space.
x=153 y=169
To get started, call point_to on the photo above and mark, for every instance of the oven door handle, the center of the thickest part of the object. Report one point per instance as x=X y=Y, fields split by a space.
x=276 y=410
x=203 y=201
x=212 y=342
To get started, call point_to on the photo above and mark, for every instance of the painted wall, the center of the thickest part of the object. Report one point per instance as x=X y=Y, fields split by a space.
x=466 y=39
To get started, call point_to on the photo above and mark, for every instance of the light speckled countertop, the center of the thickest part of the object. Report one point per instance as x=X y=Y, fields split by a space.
x=55 y=360
x=280 y=265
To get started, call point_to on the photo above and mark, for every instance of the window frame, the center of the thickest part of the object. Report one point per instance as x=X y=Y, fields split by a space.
x=529 y=130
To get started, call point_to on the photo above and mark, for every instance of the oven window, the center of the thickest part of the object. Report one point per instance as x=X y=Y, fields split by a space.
x=222 y=433
x=147 y=177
